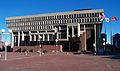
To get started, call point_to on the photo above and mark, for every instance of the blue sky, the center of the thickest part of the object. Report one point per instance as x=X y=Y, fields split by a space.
x=9 y=8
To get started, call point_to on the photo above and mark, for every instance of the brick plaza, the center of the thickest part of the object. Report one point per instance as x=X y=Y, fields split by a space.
x=58 y=62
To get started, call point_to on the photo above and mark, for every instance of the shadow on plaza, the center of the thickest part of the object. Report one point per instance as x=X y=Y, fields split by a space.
x=114 y=56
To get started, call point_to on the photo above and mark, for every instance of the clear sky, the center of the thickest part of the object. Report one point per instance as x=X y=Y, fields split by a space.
x=10 y=8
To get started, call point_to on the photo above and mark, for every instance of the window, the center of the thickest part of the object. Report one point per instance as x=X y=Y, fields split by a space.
x=74 y=15
x=70 y=30
x=96 y=14
x=45 y=37
x=75 y=30
x=64 y=16
x=70 y=16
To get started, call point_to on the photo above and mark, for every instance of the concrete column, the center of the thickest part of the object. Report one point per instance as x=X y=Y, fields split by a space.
x=78 y=29
x=95 y=39
x=18 y=38
x=56 y=31
x=72 y=31
x=59 y=27
x=30 y=36
x=34 y=37
x=85 y=37
x=22 y=36
x=12 y=40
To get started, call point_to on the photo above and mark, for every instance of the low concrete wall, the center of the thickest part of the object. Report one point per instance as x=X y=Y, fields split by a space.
x=48 y=48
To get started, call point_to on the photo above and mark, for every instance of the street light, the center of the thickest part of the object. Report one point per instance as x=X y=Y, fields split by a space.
x=56 y=44
x=40 y=45
x=53 y=37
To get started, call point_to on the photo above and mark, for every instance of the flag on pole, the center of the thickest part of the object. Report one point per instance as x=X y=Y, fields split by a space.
x=101 y=16
x=114 y=18
x=107 y=19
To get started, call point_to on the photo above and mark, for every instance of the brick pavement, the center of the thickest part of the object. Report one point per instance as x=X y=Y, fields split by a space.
x=58 y=62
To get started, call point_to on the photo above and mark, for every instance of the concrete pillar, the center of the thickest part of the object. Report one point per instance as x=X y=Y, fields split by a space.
x=78 y=29
x=72 y=31
x=18 y=38
x=30 y=36
x=85 y=37
x=12 y=40
x=34 y=37
x=22 y=36
x=95 y=39
x=59 y=27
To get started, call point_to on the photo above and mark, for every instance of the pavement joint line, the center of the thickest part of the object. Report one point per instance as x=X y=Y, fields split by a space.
x=21 y=58
x=30 y=57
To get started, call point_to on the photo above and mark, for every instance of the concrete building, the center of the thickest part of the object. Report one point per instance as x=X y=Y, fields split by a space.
x=74 y=30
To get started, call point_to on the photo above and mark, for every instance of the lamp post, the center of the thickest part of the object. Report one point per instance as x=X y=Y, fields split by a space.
x=56 y=44
x=40 y=45
x=53 y=37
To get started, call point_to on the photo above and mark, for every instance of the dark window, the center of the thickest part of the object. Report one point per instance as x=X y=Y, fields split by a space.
x=84 y=15
x=70 y=16
x=50 y=36
x=45 y=36
x=80 y=16
x=75 y=30
x=64 y=16
x=97 y=14
x=88 y=20
x=70 y=30
x=74 y=15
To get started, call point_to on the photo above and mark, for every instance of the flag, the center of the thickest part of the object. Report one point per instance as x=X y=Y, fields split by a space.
x=107 y=19
x=114 y=18
x=101 y=15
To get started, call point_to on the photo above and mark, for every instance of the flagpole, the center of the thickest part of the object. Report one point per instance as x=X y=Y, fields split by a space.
x=106 y=37
x=110 y=33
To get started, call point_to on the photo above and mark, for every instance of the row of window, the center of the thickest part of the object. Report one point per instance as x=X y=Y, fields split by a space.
x=33 y=28
x=69 y=16
x=55 y=22
x=51 y=36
